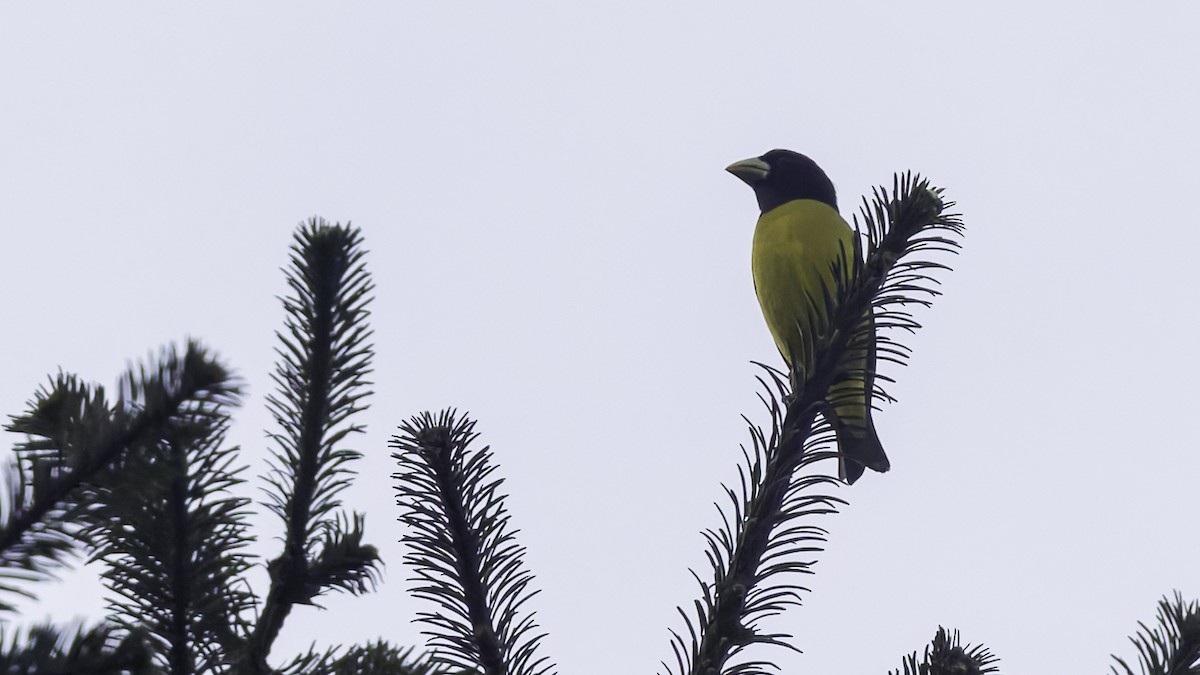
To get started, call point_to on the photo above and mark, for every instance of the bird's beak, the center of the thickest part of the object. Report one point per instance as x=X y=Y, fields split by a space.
x=750 y=170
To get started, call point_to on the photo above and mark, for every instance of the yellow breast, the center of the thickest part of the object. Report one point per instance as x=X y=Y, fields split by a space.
x=796 y=246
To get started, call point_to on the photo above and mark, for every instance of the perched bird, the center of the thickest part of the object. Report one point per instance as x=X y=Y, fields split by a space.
x=799 y=241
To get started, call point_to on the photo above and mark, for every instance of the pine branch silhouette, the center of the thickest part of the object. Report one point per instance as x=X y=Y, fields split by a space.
x=50 y=650
x=74 y=439
x=466 y=559
x=171 y=536
x=946 y=655
x=1173 y=646
x=143 y=486
x=376 y=658
x=321 y=378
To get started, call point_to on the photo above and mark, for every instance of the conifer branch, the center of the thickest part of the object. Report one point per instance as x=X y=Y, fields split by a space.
x=946 y=655
x=74 y=437
x=344 y=563
x=49 y=650
x=466 y=559
x=765 y=538
x=1173 y=646
x=325 y=358
x=171 y=535
x=375 y=658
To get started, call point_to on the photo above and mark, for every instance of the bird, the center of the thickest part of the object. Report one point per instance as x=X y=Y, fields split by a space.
x=800 y=242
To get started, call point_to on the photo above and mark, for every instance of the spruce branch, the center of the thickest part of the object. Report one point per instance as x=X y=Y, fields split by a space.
x=50 y=650
x=946 y=655
x=171 y=535
x=1173 y=646
x=73 y=438
x=321 y=382
x=375 y=658
x=761 y=538
x=766 y=538
x=344 y=563
x=465 y=557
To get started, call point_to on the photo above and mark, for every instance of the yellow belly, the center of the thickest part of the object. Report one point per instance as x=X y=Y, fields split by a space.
x=796 y=246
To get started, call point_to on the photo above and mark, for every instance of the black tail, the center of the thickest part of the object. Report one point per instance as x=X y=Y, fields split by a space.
x=850 y=412
x=859 y=449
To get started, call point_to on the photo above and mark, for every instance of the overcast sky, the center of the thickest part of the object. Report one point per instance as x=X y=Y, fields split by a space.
x=559 y=252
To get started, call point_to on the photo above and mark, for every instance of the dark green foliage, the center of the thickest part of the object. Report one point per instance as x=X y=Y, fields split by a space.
x=170 y=534
x=143 y=485
x=376 y=658
x=340 y=563
x=321 y=383
x=1173 y=646
x=765 y=540
x=48 y=650
x=466 y=559
x=92 y=472
x=320 y=378
x=37 y=514
x=946 y=655
x=73 y=440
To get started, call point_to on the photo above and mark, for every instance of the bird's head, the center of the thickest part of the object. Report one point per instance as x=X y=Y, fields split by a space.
x=781 y=176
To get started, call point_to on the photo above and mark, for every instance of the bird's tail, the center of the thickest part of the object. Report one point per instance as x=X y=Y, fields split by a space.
x=850 y=410
x=858 y=448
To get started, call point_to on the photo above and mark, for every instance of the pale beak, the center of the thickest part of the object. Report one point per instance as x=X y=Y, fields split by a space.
x=750 y=170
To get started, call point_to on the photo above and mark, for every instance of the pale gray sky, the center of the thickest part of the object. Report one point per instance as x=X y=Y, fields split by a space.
x=559 y=251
